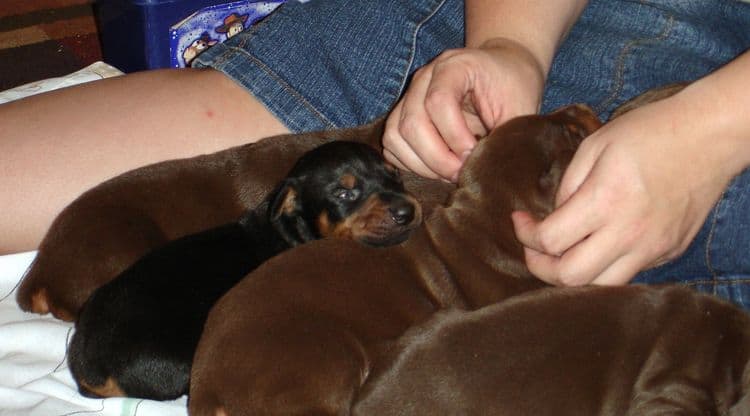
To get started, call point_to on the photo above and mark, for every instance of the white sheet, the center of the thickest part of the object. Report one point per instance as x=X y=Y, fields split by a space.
x=34 y=376
x=93 y=72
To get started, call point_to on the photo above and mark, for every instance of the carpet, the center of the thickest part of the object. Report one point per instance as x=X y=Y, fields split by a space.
x=45 y=38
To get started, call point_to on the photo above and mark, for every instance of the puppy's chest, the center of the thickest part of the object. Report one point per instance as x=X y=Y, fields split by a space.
x=464 y=263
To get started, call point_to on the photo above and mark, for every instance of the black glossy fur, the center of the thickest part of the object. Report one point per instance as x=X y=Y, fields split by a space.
x=137 y=334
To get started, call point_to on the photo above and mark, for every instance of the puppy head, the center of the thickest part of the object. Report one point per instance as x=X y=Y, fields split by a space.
x=523 y=160
x=344 y=190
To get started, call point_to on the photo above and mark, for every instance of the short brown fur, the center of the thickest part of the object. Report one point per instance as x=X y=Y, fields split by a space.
x=325 y=340
x=305 y=343
x=110 y=226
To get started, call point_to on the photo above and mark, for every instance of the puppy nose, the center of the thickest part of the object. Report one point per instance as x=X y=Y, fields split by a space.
x=402 y=211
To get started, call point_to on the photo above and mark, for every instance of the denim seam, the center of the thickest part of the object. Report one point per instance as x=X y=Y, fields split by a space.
x=714 y=283
x=710 y=238
x=218 y=60
x=413 y=48
x=709 y=241
x=619 y=79
x=283 y=84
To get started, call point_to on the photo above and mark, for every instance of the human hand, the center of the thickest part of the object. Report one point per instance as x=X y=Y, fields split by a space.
x=461 y=94
x=634 y=196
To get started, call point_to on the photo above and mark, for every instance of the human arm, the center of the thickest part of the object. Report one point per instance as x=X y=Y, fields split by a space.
x=639 y=189
x=465 y=92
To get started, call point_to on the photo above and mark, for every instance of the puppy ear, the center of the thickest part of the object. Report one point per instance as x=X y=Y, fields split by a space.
x=285 y=202
x=285 y=211
x=579 y=119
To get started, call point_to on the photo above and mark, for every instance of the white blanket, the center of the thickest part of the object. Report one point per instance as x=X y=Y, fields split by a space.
x=34 y=376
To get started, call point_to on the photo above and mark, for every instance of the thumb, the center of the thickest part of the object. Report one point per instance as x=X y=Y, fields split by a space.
x=580 y=167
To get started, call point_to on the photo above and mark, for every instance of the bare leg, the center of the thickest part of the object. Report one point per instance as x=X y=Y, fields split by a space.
x=56 y=145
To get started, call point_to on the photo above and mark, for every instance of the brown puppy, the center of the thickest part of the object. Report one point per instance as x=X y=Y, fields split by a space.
x=588 y=351
x=632 y=350
x=305 y=343
x=109 y=227
x=650 y=96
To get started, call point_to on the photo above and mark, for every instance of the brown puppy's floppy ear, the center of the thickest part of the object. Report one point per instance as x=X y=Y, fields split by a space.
x=285 y=211
x=576 y=122
x=579 y=119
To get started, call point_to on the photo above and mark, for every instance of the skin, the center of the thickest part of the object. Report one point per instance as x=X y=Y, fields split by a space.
x=608 y=195
x=116 y=125
x=465 y=92
x=56 y=145
x=620 y=207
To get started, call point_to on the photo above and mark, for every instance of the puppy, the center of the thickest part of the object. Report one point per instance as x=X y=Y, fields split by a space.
x=109 y=227
x=632 y=350
x=305 y=344
x=648 y=97
x=137 y=334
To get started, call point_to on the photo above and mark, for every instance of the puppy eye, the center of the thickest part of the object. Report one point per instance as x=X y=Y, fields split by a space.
x=346 y=194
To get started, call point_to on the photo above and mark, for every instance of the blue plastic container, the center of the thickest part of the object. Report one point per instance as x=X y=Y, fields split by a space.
x=135 y=34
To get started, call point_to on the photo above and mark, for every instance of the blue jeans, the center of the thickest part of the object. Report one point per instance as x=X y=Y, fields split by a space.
x=333 y=63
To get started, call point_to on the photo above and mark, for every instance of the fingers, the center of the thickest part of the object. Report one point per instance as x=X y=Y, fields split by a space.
x=449 y=103
x=399 y=152
x=598 y=259
x=580 y=167
x=411 y=137
x=566 y=226
x=576 y=245
x=434 y=126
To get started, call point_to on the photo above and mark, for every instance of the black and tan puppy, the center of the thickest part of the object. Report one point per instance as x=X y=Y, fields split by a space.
x=136 y=335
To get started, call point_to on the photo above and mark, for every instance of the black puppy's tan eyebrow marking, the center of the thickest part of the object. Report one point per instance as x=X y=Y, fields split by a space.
x=324 y=224
x=348 y=181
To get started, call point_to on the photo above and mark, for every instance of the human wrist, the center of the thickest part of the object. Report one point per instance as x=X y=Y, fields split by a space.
x=719 y=105
x=713 y=121
x=523 y=52
x=539 y=25
x=529 y=70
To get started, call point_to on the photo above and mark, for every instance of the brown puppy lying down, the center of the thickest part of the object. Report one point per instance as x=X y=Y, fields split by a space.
x=109 y=227
x=302 y=333
x=632 y=350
